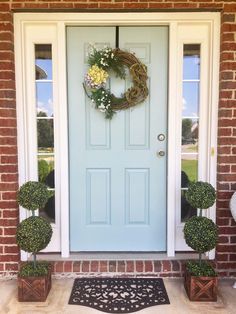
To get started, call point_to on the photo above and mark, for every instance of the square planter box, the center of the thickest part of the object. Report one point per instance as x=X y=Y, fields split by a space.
x=200 y=288
x=34 y=289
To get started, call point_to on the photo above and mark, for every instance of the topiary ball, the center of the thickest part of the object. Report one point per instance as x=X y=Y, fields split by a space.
x=33 y=234
x=201 y=195
x=33 y=195
x=201 y=234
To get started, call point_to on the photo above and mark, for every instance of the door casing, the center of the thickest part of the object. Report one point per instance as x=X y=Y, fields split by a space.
x=23 y=21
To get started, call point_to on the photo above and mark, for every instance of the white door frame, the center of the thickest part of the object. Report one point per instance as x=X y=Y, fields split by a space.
x=173 y=20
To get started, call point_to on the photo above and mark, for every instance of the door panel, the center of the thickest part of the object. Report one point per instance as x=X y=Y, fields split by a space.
x=117 y=178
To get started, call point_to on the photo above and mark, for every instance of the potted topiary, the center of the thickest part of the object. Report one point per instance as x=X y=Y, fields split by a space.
x=33 y=235
x=201 y=234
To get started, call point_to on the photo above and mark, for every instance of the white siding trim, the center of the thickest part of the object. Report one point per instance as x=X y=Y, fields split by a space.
x=171 y=159
x=21 y=115
x=194 y=33
x=213 y=114
x=114 y=18
x=64 y=171
x=26 y=35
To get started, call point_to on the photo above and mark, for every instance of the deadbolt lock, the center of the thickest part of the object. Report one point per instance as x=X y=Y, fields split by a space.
x=161 y=153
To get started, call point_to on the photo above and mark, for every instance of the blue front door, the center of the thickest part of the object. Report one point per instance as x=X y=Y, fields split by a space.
x=117 y=176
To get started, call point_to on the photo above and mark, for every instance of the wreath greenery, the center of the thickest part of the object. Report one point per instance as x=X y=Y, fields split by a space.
x=104 y=61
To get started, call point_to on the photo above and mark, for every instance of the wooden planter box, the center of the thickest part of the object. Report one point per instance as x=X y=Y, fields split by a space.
x=34 y=289
x=200 y=288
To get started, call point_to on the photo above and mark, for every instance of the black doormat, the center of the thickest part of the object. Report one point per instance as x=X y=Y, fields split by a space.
x=119 y=295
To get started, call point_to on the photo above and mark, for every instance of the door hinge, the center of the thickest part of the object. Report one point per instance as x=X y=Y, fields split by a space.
x=212 y=152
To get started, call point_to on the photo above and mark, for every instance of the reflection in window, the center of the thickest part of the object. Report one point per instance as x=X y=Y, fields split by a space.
x=43 y=62
x=190 y=167
x=191 y=62
x=187 y=211
x=190 y=99
x=190 y=135
x=49 y=210
x=45 y=134
x=44 y=98
x=46 y=170
x=190 y=123
x=45 y=124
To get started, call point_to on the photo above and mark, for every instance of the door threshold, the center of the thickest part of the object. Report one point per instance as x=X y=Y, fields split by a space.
x=115 y=256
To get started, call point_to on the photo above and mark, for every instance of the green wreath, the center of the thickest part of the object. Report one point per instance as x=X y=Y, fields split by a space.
x=104 y=61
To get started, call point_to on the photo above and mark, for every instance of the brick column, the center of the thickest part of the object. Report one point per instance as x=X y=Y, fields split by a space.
x=9 y=253
x=226 y=167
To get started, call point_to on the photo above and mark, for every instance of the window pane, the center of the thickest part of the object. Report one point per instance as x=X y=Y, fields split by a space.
x=190 y=135
x=46 y=170
x=187 y=211
x=45 y=136
x=190 y=99
x=189 y=167
x=191 y=62
x=43 y=62
x=45 y=130
x=44 y=98
x=48 y=211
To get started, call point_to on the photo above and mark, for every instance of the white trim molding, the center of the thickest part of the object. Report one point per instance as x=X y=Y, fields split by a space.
x=203 y=34
x=58 y=22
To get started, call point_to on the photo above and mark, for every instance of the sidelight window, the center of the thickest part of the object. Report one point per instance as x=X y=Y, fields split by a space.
x=45 y=124
x=190 y=123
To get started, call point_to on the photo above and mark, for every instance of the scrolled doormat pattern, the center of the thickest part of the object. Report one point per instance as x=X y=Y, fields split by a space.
x=119 y=295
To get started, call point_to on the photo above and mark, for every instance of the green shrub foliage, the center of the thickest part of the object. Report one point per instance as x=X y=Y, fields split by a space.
x=33 y=195
x=196 y=268
x=201 y=234
x=33 y=234
x=28 y=269
x=201 y=195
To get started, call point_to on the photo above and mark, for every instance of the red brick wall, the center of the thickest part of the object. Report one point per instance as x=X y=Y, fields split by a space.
x=226 y=250
x=9 y=254
x=226 y=166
